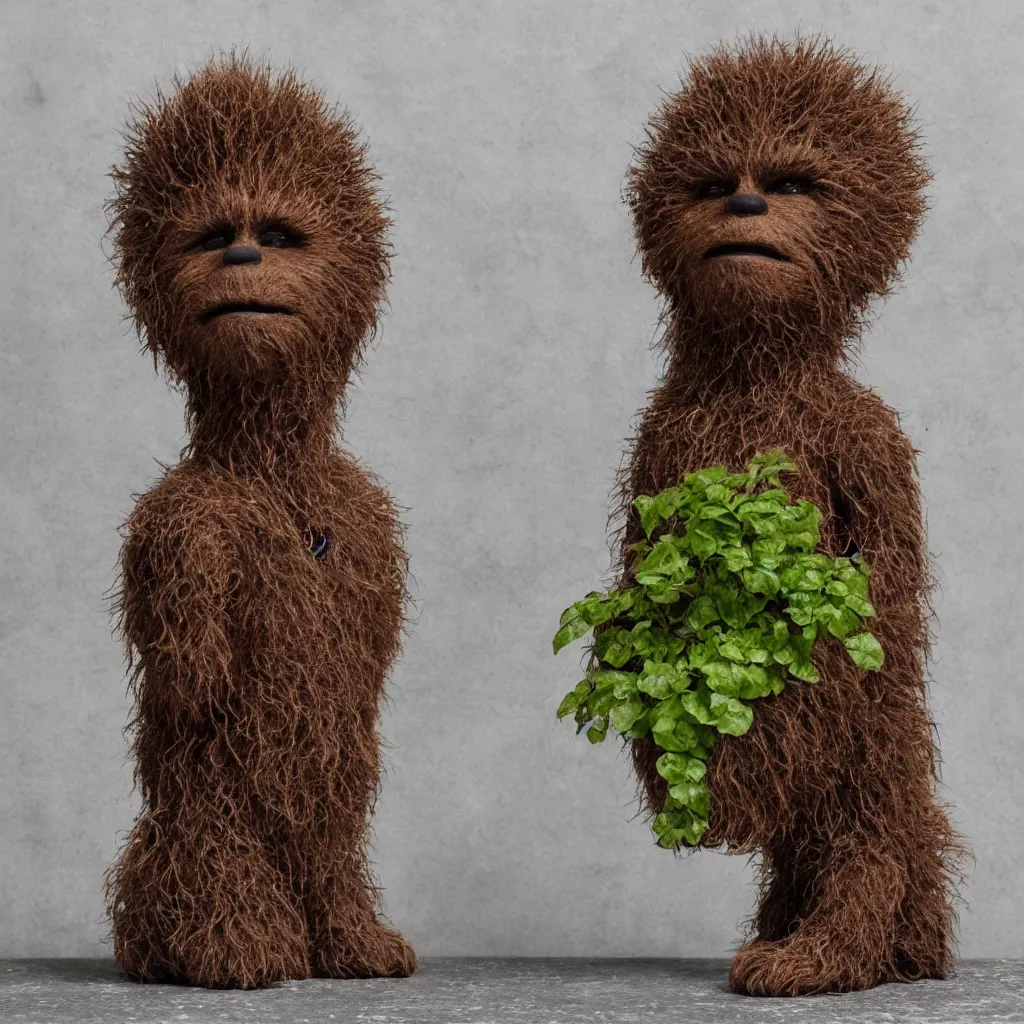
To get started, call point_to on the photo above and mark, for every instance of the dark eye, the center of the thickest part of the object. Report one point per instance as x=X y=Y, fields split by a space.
x=714 y=189
x=277 y=236
x=219 y=238
x=792 y=185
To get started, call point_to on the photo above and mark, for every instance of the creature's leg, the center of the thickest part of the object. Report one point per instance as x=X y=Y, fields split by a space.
x=925 y=927
x=346 y=938
x=195 y=900
x=141 y=918
x=786 y=877
x=846 y=938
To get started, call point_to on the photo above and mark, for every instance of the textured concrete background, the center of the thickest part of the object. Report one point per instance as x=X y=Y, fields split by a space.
x=495 y=405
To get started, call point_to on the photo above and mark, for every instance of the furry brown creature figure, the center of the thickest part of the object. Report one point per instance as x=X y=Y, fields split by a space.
x=776 y=194
x=263 y=577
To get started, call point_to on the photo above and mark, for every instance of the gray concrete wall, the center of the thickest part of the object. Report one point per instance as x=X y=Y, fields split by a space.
x=494 y=405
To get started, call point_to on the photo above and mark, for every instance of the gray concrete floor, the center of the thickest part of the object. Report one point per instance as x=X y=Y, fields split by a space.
x=478 y=991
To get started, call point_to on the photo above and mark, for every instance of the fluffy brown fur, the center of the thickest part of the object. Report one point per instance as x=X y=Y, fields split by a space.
x=834 y=785
x=257 y=669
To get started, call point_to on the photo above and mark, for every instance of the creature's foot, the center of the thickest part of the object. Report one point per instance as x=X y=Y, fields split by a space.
x=924 y=949
x=368 y=951
x=805 y=964
x=216 y=916
x=232 y=947
x=252 y=949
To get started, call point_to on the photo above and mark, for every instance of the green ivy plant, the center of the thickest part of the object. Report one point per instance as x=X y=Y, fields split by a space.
x=729 y=599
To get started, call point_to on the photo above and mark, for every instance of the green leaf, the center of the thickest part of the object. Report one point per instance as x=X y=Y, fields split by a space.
x=658 y=680
x=624 y=715
x=713 y=511
x=676 y=826
x=732 y=717
x=649 y=579
x=674 y=734
x=800 y=578
x=732 y=650
x=802 y=668
x=737 y=558
x=768 y=551
x=758 y=655
x=640 y=728
x=665 y=560
x=727 y=602
x=626 y=688
x=664 y=732
x=694 y=829
x=601 y=702
x=767 y=504
x=859 y=606
x=624 y=644
x=693 y=795
x=865 y=651
x=784 y=655
x=844 y=623
x=663 y=592
x=599 y=608
x=697 y=702
x=597 y=730
x=650 y=515
x=677 y=768
x=701 y=612
x=769 y=465
x=572 y=701
x=736 y=608
x=753 y=682
x=722 y=677
x=761 y=581
x=616 y=653
x=800 y=608
x=610 y=679
x=665 y=828
x=570 y=631
x=702 y=543
x=704 y=478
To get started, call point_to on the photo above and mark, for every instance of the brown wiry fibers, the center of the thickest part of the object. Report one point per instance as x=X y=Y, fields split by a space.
x=257 y=668
x=834 y=786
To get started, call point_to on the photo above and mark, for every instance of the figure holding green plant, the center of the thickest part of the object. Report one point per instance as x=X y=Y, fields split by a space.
x=740 y=650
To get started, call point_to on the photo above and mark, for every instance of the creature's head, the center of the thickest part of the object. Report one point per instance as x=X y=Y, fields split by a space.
x=249 y=238
x=778 y=191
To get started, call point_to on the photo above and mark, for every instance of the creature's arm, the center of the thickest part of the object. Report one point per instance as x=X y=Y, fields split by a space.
x=876 y=493
x=178 y=576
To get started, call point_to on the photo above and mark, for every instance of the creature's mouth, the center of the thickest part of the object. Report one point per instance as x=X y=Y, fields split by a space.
x=764 y=252
x=228 y=308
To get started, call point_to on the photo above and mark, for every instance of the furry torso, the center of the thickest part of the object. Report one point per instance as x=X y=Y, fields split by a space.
x=249 y=648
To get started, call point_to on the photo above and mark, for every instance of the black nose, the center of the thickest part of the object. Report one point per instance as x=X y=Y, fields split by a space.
x=237 y=254
x=746 y=204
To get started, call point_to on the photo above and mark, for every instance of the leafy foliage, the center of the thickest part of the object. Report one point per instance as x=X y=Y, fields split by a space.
x=730 y=596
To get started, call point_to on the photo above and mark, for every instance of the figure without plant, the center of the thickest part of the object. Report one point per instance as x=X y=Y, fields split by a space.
x=263 y=577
